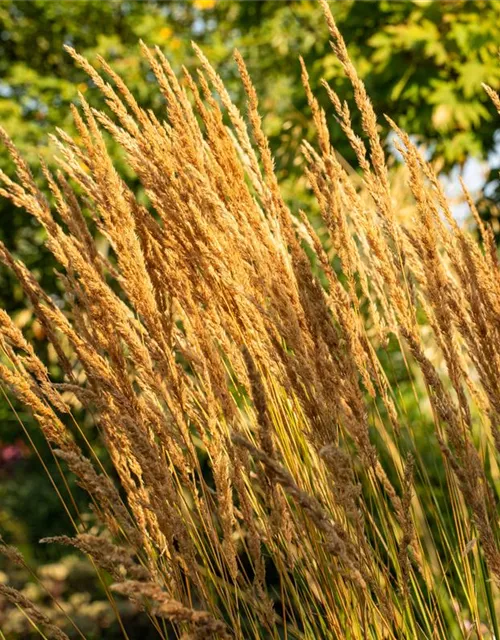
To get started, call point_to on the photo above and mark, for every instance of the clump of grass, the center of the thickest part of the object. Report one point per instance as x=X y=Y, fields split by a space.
x=272 y=482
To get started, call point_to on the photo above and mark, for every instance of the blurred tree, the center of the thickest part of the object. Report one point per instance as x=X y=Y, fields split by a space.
x=423 y=62
x=38 y=81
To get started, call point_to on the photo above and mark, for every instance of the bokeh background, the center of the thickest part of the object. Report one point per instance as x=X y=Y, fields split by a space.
x=423 y=63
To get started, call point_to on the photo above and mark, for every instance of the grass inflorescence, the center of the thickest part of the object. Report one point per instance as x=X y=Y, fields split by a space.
x=266 y=477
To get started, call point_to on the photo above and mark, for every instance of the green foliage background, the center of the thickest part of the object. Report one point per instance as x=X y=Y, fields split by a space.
x=423 y=63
